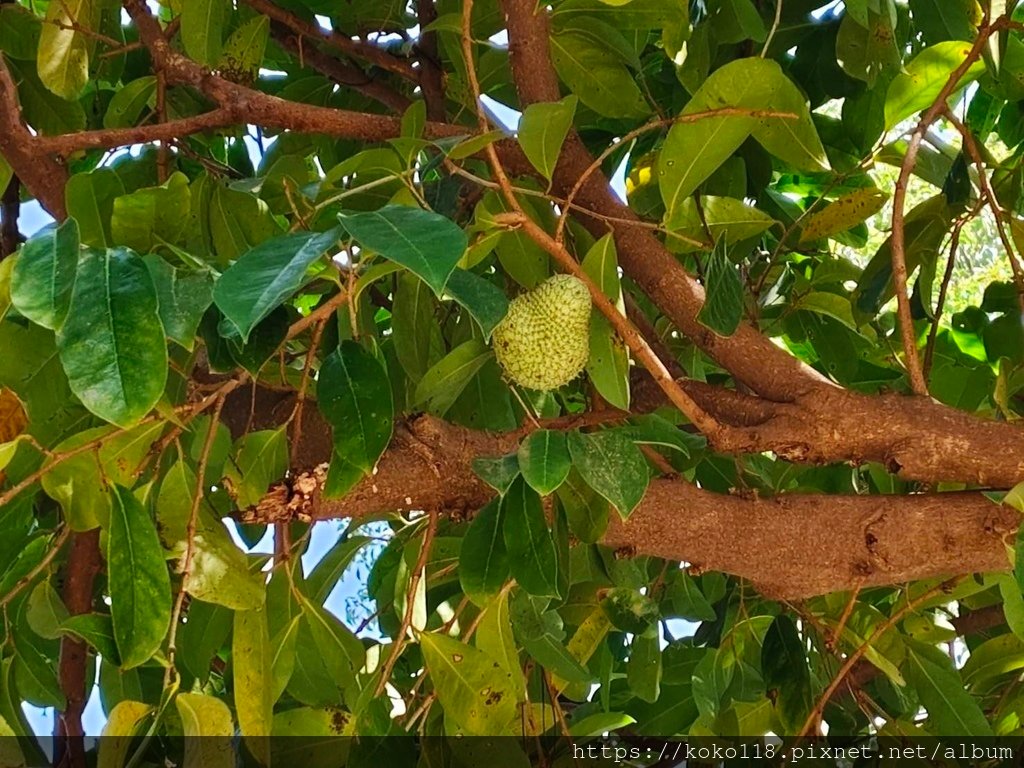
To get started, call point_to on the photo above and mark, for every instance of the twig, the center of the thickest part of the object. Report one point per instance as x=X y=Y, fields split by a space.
x=899 y=259
x=41 y=566
x=410 y=604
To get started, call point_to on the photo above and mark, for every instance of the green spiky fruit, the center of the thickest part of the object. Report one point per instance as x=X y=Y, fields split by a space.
x=544 y=340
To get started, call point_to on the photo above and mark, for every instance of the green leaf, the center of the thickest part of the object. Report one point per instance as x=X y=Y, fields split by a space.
x=183 y=298
x=950 y=708
x=608 y=365
x=123 y=724
x=209 y=718
x=474 y=690
x=544 y=460
x=112 y=344
x=49 y=114
x=694 y=150
x=785 y=670
x=585 y=510
x=354 y=395
x=90 y=200
x=150 y=216
x=729 y=221
x=139 y=586
x=485 y=301
x=723 y=299
x=95 y=629
x=19 y=32
x=483 y=559
x=64 y=46
x=43 y=277
x=533 y=556
x=282 y=660
x=259 y=459
x=631 y=15
x=127 y=104
x=414 y=325
x=612 y=465
x=599 y=723
x=342 y=652
x=422 y=241
x=494 y=637
x=687 y=599
x=45 y=612
x=244 y=49
x=220 y=571
x=542 y=131
x=993 y=658
x=202 y=29
x=643 y=672
x=596 y=76
x=441 y=386
x=267 y=275
x=252 y=680
x=919 y=84
x=498 y=472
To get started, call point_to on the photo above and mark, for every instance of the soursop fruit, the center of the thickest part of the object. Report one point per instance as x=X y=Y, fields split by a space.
x=544 y=340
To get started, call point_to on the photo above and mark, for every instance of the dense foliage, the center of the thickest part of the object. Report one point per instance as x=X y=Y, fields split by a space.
x=778 y=499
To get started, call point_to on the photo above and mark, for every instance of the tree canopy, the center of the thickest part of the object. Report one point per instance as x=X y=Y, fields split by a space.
x=782 y=496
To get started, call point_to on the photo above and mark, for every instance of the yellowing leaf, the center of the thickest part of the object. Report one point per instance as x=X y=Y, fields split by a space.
x=843 y=214
x=13 y=418
x=210 y=718
x=121 y=727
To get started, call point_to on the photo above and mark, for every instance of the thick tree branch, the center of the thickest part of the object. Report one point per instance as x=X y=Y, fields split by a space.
x=790 y=546
x=43 y=176
x=10 y=208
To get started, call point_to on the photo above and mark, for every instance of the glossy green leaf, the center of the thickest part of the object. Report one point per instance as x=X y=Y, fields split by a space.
x=422 y=241
x=45 y=612
x=542 y=131
x=484 y=559
x=354 y=396
x=90 y=201
x=923 y=78
x=414 y=325
x=267 y=275
x=183 y=298
x=612 y=465
x=112 y=345
x=485 y=301
x=643 y=672
x=202 y=29
x=498 y=472
x=139 y=585
x=446 y=379
x=544 y=460
x=597 y=76
x=532 y=553
x=129 y=103
x=259 y=459
x=608 y=365
x=44 y=275
x=950 y=708
x=148 y=217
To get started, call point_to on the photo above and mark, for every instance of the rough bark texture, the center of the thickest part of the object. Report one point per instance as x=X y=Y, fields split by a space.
x=790 y=547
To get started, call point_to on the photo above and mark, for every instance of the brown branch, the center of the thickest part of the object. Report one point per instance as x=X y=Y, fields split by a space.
x=10 y=209
x=354 y=48
x=899 y=260
x=41 y=175
x=431 y=72
x=791 y=546
x=83 y=564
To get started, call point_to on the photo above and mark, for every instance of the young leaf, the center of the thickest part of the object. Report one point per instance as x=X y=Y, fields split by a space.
x=43 y=276
x=64 y=46
x=140 y=588
x=112 y=344
x=544 y=460
x=612 y=465
x=265 y=276
x=354 y=395
x=542 y=131
x=483 y=559
x=531 y=547
x=428 y=244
